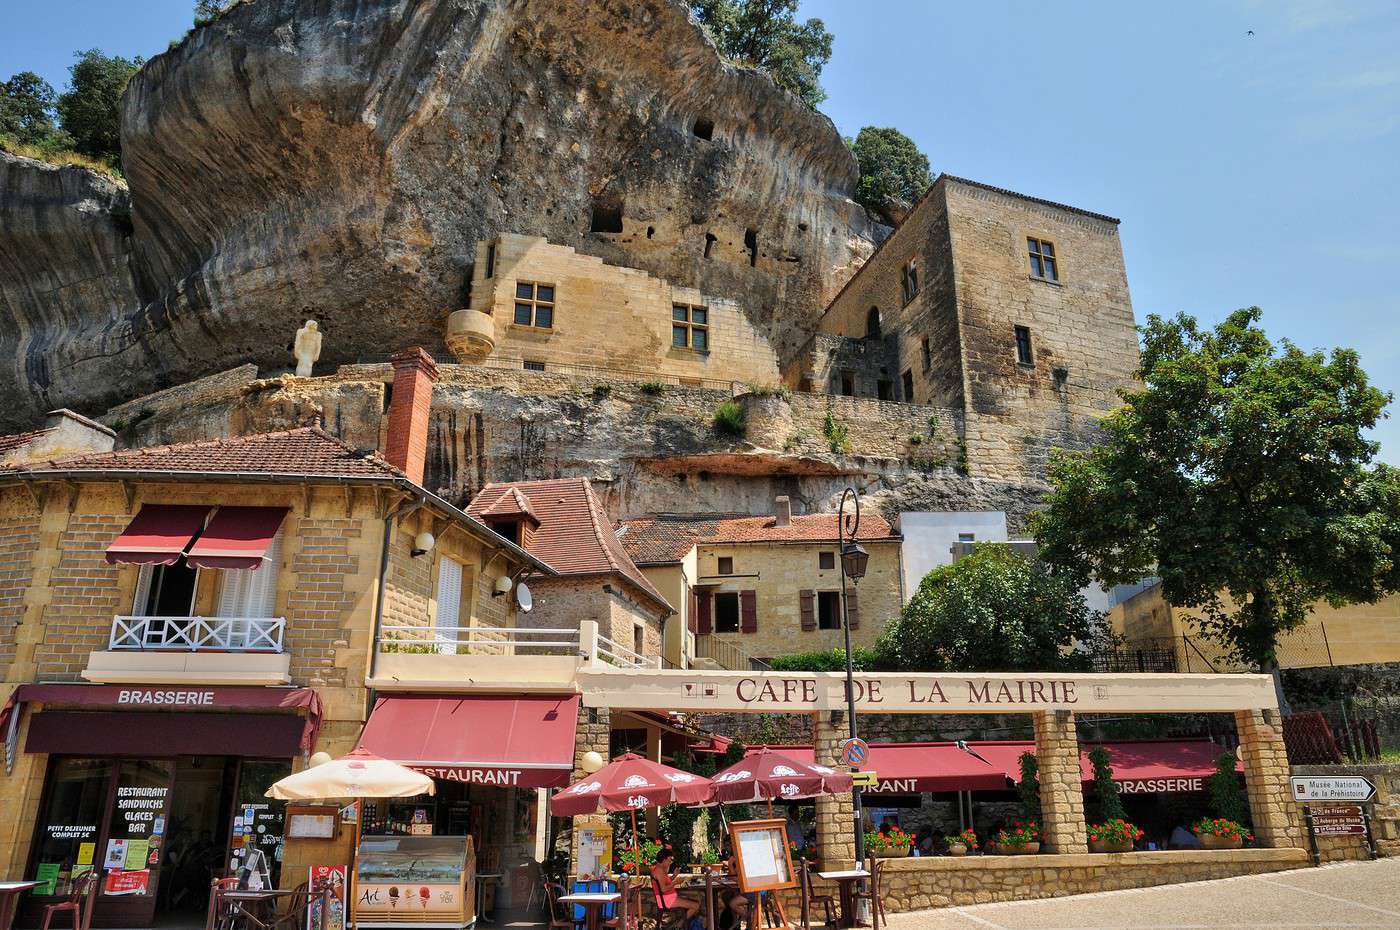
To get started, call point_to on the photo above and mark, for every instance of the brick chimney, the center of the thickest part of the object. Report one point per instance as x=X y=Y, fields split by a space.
x=409 y=403
x=782 y=513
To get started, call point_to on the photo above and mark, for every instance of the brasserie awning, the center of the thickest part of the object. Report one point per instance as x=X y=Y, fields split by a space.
x=516 y=742
x=158 y=534
x=912 y=768
x=237 y=538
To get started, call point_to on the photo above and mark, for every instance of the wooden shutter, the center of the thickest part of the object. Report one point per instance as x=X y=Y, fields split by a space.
x=748 y=611
x=702 y=613
x=809 y=617
x=693 y=612
x=852 y=610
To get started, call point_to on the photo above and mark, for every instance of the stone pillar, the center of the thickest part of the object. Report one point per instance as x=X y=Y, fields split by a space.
x=835 y=833
x=1277 y=822
x=1062 y=826
x=594 y=733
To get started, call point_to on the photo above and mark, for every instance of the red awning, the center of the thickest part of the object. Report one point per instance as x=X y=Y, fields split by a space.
x=911 y=768
x=96 y=733
x=508 y=741
x=1158 y=766
x=157 y=535
x=236 y=538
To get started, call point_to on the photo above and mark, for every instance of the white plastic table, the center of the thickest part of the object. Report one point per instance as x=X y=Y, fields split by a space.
x=592 y=902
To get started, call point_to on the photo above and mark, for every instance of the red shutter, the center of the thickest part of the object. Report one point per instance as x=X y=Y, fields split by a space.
x=852 y=610
x=691 y=623
x=702 y=613
x=748 y=611
x=809 y=616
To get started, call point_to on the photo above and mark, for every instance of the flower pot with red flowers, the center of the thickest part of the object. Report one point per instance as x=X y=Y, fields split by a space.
x=639 y=860
x=1113 y=836
x=1219 y=833
x=962 y=843
x=804 y=853
x=1021 y=839
x=888 y=845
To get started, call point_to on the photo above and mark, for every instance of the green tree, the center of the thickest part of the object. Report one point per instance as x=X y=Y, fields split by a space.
x=1105 y=788
x=1239 y=473
x=27 y=111
x=892 y=170
x=995 y=610
x=765 y=34
x=91 y=107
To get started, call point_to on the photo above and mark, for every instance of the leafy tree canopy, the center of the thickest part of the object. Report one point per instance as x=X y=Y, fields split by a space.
x=765 y=34
x=892 y=169
x=27 y=111
x=90 y=108
x=1239 y=474
x=995 y=610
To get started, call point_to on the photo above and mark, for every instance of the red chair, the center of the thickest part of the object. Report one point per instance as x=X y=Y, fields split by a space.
x=219 y=916
x=79 y=902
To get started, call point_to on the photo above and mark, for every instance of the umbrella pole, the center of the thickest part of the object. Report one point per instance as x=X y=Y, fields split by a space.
x=636 y=843
x=770 y=807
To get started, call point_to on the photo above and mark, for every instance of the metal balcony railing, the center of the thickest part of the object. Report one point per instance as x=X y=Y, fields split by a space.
x=728 y=654
x=198 y=634
x=584 y=643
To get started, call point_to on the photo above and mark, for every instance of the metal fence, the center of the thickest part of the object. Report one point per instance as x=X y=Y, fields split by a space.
x=1347 y=732
x=1303 y=648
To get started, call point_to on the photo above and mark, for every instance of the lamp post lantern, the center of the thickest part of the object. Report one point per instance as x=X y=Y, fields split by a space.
x=853 y=562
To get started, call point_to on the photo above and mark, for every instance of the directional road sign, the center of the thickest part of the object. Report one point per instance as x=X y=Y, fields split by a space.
x=1332 y=788
x=864 y=779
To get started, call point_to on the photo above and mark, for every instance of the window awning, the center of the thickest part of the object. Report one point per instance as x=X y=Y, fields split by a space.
x=137 y=733
x=912 y=768
x=516 y=742
x=158 y=535
x=237 y=538
x=1158 y=766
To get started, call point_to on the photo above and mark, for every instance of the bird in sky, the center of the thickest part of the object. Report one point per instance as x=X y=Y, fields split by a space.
x=1250 y=32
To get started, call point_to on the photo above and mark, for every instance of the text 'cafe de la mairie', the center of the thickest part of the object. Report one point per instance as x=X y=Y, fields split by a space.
x=185 y=625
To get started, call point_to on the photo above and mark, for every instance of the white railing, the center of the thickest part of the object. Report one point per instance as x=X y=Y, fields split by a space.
x=478 y=640
x=728 y=654
x=198 y=634
x=618 y=654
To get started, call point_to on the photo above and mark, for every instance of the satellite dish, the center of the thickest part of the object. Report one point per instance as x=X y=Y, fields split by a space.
x=524 y=598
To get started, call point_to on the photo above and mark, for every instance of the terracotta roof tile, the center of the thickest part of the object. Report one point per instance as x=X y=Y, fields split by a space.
x=511 y=504
x=575 y=536
x=304 y=452
x=665 y=538
x=15 y=441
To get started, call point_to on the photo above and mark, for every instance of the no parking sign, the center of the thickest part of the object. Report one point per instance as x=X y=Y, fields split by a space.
x=855 y=751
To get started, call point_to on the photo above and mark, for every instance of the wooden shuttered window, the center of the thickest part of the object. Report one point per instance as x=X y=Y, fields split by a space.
x=703 y=603
x=806 y=601
x=852 y=610
x=748 y=611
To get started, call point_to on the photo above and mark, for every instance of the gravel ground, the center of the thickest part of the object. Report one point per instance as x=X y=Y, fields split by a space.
x=1344 y=896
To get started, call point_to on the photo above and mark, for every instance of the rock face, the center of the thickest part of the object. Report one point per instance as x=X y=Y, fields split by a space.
x=338 y=159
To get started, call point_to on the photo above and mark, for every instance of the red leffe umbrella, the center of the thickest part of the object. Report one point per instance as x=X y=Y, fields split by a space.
x=630 y=782
x=765 y=775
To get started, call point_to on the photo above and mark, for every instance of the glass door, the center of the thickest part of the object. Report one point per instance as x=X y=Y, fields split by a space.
x=134 y=853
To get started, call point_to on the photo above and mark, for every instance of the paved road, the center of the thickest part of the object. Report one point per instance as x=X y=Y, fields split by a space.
x=1345 y=896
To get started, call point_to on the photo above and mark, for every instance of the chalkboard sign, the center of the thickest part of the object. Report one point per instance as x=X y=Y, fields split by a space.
x=761 y=851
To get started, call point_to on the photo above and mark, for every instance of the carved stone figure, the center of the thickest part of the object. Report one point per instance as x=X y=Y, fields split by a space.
x=307 y=348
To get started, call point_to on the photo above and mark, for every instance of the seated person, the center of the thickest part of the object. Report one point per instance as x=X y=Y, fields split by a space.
x=665 y=888
x=734 y=910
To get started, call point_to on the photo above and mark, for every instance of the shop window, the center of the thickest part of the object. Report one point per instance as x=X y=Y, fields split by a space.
x=909 y=385
x=727 y=612
x=1024 y=355
x=690 y=327
x=726 y=565
x=909 y=280
x=66 y=845
x=252 y=594
x=534 y=304
x=165 y=590
x=1045 y=265
x=826 y=560
x=828 y=610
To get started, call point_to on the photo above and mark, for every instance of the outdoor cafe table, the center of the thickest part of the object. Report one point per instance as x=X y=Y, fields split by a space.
x=593 y=902
x=846 y=880
x=9 y=900
x=257 y=909
x=712 y=884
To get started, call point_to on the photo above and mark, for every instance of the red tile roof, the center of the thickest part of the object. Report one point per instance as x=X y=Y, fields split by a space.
x=575 y=536
x=304 y=452
x=663 y=538
x=511 y=504
x=15 y=441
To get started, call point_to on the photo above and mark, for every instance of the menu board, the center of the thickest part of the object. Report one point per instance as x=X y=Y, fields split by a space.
x=761 y=850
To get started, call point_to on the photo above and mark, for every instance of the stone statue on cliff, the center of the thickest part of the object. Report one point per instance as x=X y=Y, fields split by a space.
x=307 y=348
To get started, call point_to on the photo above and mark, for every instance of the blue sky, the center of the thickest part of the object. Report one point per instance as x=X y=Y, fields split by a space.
x=1258 y=169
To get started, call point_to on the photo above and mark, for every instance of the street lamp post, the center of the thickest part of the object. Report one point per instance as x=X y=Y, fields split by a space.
x=853 y=562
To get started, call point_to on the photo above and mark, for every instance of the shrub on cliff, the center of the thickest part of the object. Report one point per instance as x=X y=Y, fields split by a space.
x=995 y=610
x=892 y=170
x=90 y=108
x=730 y=420
x=766 y=35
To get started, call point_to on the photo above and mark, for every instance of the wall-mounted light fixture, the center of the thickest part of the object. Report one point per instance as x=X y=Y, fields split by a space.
x=422 y=543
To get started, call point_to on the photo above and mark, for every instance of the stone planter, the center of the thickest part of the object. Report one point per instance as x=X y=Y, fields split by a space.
x=1110 y=846
x=1020 y=849
x=1211 y=841
x=891 y=852
x=957 y=849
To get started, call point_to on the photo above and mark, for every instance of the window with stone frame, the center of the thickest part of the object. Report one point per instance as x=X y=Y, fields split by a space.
x=1045 y=263
x=1025 y=355
x=826 y=560
x=534 y=304
x=727 y=612
x=726 y=565
x=690 y=327
x=909 y=280
x=828 y=610
x=908 y=385
x=927 y=355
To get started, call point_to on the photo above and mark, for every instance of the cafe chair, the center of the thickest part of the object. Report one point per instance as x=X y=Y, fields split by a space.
x=627 y=909
x=557 y=920
x=810 y=899
x=220 y=915
x=293 y=917
x=79 y=902
x=675 y=915
x=877 y=901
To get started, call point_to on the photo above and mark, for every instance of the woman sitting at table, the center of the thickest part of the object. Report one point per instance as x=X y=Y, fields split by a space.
x=665 y=888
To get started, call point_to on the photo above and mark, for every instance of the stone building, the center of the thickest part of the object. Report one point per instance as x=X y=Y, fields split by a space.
x=758 y=587
x=1010 y=309
x=538 y=306
x=563 y=523
x=64 y=433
